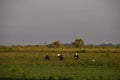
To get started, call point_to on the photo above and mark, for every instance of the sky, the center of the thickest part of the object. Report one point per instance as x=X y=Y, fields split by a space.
x=34 y=22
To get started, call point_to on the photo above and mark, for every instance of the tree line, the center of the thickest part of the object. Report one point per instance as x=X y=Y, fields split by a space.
x=76 y=43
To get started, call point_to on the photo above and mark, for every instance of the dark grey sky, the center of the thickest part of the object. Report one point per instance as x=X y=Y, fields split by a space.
x=24 y=22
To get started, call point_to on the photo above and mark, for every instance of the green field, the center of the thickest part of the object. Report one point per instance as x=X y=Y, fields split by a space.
x=28 y=63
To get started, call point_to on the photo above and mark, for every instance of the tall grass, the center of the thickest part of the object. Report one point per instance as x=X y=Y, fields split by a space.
x=28 y=63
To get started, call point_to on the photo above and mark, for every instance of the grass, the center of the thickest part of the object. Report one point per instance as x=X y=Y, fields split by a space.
x=28 y=63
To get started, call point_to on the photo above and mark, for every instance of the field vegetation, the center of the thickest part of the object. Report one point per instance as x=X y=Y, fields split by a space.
x=28 y=63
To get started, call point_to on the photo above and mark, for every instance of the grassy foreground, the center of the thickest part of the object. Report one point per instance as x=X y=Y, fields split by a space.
x=28 y=63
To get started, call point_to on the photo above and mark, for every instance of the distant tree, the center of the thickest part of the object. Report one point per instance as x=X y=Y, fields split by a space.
x=104 y=44
x=56 y=44
x=78 y=43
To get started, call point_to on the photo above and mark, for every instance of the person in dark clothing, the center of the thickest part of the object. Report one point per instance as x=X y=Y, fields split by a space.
x=76 y=56
x=47 y=57
x=60 y=57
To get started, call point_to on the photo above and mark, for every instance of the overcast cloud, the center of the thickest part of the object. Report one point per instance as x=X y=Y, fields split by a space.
x=26 y=22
